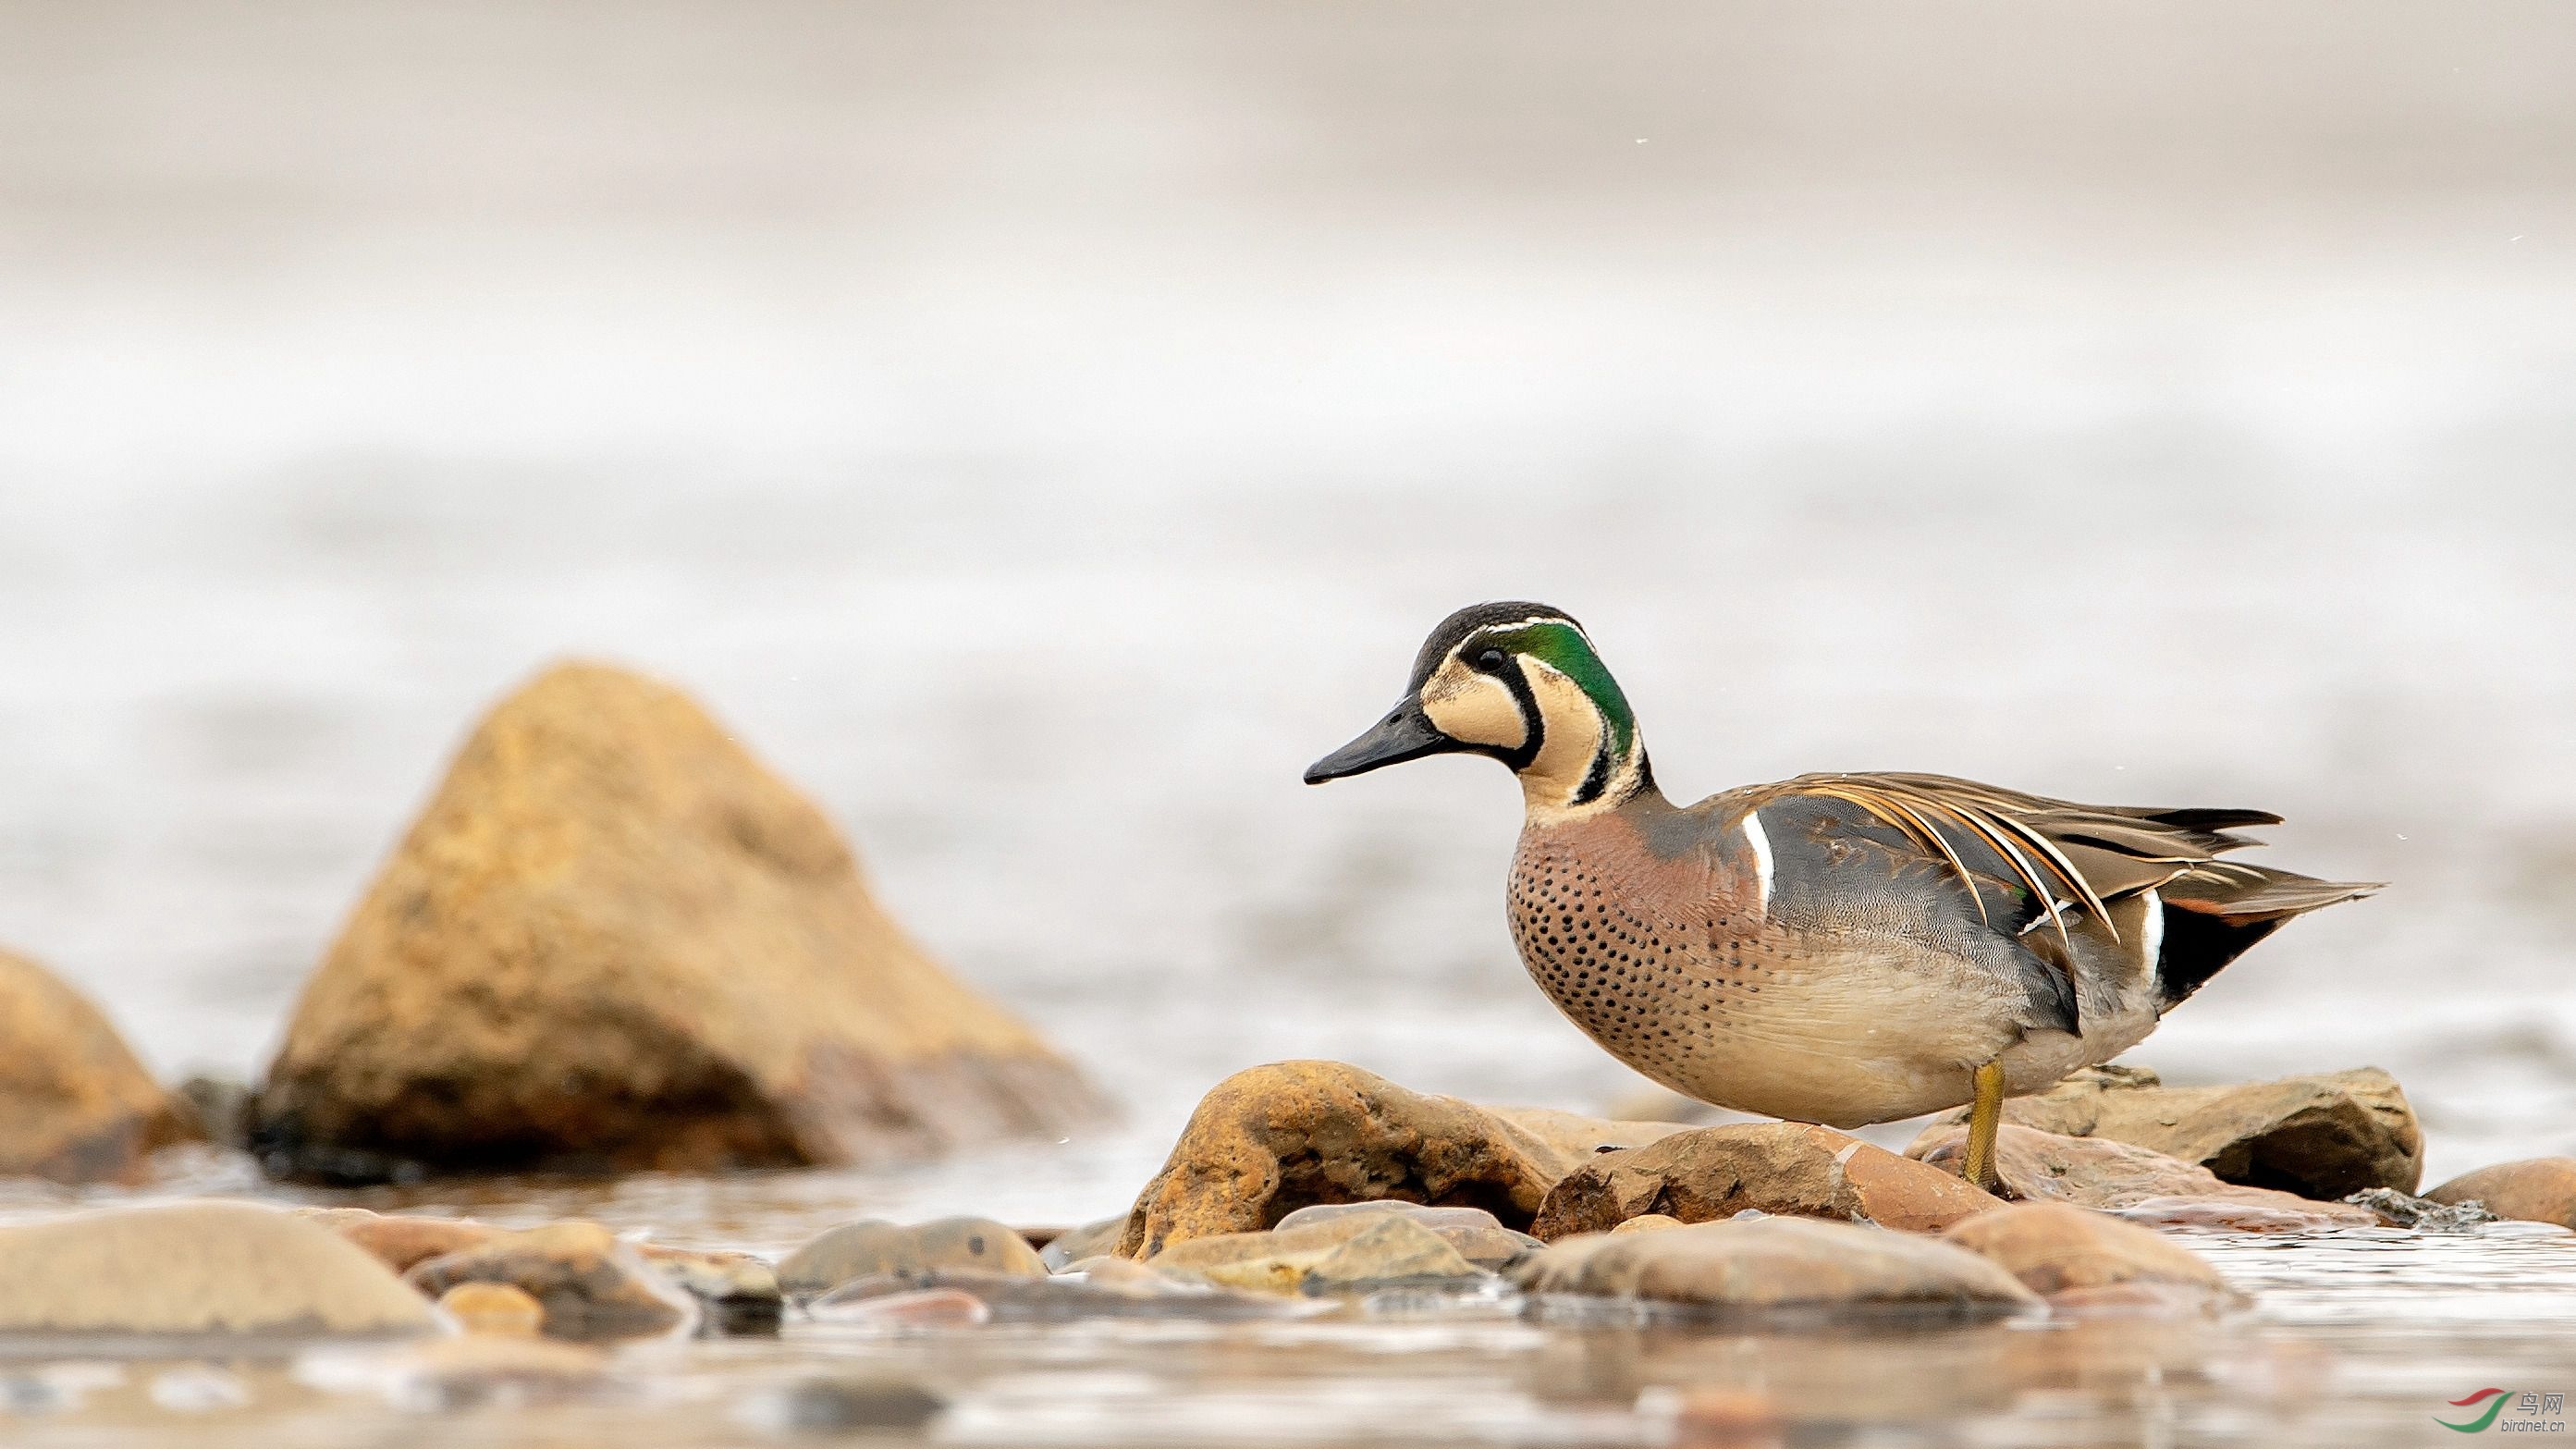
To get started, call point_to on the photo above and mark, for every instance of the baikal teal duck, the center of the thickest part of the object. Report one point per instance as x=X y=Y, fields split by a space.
x=1839 y=948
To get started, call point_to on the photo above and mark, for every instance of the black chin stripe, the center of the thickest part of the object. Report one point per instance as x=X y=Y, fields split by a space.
x=1533 y=730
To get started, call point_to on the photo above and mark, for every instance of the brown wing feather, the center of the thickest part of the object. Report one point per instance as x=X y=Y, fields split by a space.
x=2204 y=911
x=2091 y=855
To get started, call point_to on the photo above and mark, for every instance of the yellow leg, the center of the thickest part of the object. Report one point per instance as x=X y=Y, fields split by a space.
x=1983 y=1121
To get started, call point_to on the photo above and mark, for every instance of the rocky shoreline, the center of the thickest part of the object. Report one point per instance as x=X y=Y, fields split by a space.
x=1317 y=1179
x=614 y=942
x=1300 y=1191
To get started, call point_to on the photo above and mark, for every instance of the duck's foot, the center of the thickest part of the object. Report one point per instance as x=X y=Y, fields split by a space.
x=1985 y=1120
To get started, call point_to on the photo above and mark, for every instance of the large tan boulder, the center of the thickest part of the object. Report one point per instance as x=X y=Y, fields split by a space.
x=614 y=941
x=1268 y=1141
x=197 y=1268
x=2326 y=1135
x=75 y=1105
x=1777 y=1167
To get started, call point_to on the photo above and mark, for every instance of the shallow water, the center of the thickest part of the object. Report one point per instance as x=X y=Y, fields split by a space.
x=2356 y=1337
x=1040 y=437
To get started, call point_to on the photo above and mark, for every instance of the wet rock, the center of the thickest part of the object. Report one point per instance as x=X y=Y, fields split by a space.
x=872 y=1247
x=1778 y=1264
x=1250 y=1262
x=615 y=941
x=592 y=1285
x=2324 y=1136
x=1474 y=1232
x=1119 y=1288
x=196 y=1268
x=399 y=1242
x=493 y=1308
x=1775 y=1167
x=738 y=1292
x=1271 y=1140
x=1331 y=1255
x=2282 y=1213
x=1391 y=1250
x=220 y=1107
x=2055 y=1249
x=2099 y=1172
x=2405 y=1210
x=1135 y=1280
x=2142 y=1298
x=853 y=1405
x=1091 y=1240
x=2533 y=1190
x=75 y=1106
x=919 y=1308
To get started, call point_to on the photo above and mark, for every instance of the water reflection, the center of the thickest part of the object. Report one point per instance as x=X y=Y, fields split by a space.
x=2357 y=1337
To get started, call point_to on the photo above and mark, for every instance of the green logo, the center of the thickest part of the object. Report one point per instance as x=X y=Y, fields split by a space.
x=2479 y=1424
x=2535 y=1413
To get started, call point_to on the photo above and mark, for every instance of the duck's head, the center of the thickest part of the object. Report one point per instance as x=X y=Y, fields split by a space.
x=1519 y=682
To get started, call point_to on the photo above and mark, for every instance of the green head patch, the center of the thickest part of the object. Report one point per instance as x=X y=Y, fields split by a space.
x=1561 y=646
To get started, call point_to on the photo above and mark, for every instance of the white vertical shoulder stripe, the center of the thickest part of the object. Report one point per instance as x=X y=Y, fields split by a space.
x=2151 y=941
x=1761 y=843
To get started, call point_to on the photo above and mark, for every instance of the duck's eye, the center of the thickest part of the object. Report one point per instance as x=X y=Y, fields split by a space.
x=1489 y=658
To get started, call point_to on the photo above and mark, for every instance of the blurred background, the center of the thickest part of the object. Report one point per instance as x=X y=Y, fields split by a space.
x=1042 y=430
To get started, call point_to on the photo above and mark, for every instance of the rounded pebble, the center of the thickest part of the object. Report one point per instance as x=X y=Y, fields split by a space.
x=925 y=1308
x=494 y=1308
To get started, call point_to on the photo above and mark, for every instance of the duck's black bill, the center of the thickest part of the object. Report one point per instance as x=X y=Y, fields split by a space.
x=1405 y=734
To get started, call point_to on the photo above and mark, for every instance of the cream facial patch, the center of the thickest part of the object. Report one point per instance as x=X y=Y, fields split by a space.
x=1476 y=708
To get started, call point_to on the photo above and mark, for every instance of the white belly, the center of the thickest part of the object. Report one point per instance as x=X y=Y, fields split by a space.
x=1844 y=1040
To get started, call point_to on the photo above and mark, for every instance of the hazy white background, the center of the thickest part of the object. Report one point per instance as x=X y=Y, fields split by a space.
x=1042 y=430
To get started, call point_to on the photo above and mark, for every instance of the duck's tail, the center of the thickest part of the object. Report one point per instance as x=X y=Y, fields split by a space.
x=2216 y=911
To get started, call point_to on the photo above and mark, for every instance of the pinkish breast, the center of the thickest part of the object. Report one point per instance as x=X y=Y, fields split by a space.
x=1637 y=948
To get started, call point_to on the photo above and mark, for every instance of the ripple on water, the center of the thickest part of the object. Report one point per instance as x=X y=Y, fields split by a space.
x=2358 y=1335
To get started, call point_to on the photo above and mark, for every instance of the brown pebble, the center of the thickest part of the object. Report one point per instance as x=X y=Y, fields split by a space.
x=2535 y=1189
x=402 y=1243
x=494 y=1308
x=1647 y=1223
x=927 y=1308
x=592 y=1285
